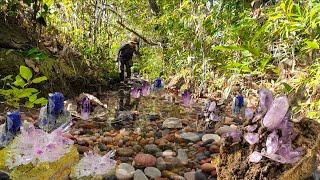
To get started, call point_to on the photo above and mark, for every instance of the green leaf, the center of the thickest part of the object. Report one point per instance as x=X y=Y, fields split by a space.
x=9 y=77
x=312 y=44
x=26 y=92
x=29 y=104
x=39 y=79
x=42 y=101
x=287 y=87
x=19 y=81
x=25 y=72
x=33 y=97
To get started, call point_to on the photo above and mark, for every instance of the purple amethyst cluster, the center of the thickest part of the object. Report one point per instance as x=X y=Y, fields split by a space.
x=144 y=90
x=274 y=114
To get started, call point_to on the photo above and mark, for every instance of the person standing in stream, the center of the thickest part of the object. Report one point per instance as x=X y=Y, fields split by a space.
x=124 y=58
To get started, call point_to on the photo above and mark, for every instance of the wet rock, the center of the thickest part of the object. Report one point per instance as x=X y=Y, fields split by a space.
x=205 y=160
x=137 y=148
x=201 y=156
x=102 y=147
x=207 y=167
x=182 y=156
x=160 y=164
x=4 y=176
x=124 y=116
x=200 y=176
x=107 y=140
x=151 y=149
x=139 y=175
x=124 y=171
x=168 y=153
x=144 y=160
x=214 y=148
x=214 y=137
x=172 y=162
x=82 y=149
x=125 y=152
x=190 y=175
x=162 y=143
x=172 y=175
x=126 y=159
x=158 y=134
x=152 y=172
x=165 y=132
x=153 y=116
x=158 y=154
x=190 y=136
x=172 y=123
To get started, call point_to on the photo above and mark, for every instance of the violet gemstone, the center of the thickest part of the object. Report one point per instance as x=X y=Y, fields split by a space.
x=85 y=108
x=255 y=157
x=251 y=138
x=248 y=113
x=251 y=128
x=214 y=117
x=13 y=122
x=145 y=89
x=186 y=98
x=272 y=143
x=212 y=106
x=266 y=99
x=276 y=113
x=56 y=104
x=135 y=93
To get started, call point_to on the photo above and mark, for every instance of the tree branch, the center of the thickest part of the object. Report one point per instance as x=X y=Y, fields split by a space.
x=137 y=34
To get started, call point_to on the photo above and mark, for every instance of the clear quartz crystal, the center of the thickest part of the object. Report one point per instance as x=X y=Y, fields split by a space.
x=93 y=164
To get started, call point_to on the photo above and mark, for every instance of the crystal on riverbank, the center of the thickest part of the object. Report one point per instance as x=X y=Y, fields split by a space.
x=85 y=108
x=36 y=146
x=10 y=128
x=92 y=165
x=53 y=114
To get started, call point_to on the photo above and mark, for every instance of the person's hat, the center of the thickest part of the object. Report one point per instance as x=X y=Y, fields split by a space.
x=134 y=40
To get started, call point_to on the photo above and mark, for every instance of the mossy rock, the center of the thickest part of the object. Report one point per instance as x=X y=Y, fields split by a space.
x=44 y=171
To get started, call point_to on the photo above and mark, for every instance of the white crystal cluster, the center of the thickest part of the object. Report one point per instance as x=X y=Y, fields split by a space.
x=93 y=165
x=37 y=146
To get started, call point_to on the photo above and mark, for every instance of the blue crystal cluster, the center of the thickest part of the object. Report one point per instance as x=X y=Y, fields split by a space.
x=53 y=114
x=10 y=129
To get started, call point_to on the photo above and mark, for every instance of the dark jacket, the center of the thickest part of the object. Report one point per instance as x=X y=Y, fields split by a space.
x=126 y=52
